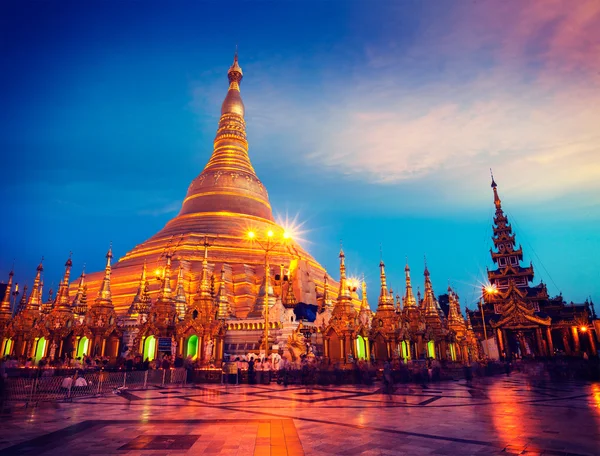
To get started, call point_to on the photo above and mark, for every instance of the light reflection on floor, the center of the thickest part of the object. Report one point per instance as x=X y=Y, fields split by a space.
x=502 y=415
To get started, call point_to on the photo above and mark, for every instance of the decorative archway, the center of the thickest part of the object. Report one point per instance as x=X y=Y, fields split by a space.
x=40 y=348
x=381 y=351
x=405 y=350
x=335 y=346
x=192 y=346
x=431 y=349
x=150 y=348
x=82 y=347
x=361 y=348
x=8 y=346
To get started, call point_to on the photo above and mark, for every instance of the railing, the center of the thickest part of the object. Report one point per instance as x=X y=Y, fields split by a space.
x=31 y=391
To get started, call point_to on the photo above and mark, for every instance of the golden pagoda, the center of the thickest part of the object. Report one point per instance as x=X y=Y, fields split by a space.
x=224 y=203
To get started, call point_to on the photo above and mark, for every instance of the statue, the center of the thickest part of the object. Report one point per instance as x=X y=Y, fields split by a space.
x=173 y=346
x=295 y=344
x=208 y=350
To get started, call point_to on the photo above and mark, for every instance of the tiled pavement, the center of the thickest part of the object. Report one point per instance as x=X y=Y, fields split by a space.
x=503 y=415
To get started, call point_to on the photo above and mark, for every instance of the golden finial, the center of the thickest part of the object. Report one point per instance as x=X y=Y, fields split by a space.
x=497 y=201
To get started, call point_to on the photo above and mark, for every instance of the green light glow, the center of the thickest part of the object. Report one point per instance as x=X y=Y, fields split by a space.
x=150 y=348
x=192 y=346
x=41 y=348
x=360 y=348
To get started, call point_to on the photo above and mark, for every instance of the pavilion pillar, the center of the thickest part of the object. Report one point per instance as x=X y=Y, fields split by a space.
x=103 y=347
x=549 y=341
x=566 y=344
x=326 y=347
x=540 y=343
x=201 y=345
x=575 y=339
x=592 y=342
x=367 y=349
x=500 y=342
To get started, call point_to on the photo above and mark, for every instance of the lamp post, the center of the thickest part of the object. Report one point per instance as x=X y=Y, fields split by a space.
x=269 y=243
x=487 y=290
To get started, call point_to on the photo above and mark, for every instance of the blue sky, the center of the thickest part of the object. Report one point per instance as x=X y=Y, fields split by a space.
x=374 y=124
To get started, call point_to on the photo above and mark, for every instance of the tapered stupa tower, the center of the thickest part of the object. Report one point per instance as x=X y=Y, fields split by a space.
x=223 y=203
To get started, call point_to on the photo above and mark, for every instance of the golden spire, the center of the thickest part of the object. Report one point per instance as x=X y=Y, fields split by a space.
x=409 y=300
x=139 y=295
x=165 y=293
x=223 y=308
x=497 y=201
x=23 y=302
x=204 y=278
x=469 y=325
x=5 y=310
x=429 y=304
x=35 y=298
x=62 y=297
x=364 y=305
x=228 y=182
x=104 y=294
x=343 y=285
x=454 y=316
x=80 y=299
x=180 y=296
x=384 y=296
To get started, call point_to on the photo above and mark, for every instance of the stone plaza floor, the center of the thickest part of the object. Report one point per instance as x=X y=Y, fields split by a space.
x=500 y=415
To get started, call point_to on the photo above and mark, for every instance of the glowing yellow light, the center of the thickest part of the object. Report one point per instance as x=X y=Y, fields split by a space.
x=270 y=233
x=157 y=272
x=491 y=289
x=286 y=235
x=583 y=329
x=251 y=234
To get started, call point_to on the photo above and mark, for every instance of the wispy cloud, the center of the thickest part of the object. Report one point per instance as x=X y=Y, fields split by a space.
x=511 y=85
x=166 y=208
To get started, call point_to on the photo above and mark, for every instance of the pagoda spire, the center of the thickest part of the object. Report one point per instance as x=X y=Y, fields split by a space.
x=139 y=295
x=429 y=304
x=23 y=301
x=5 y=310
x=180 y=296
x=343 y=307
x=494 y=186
x=364 y=304
x=506 y=255
x=228 y=181
x=104 y=294
x=454 y=317
x=80 y=299
x=35 y=298
x=469 y=325
x=62 y=296
x=166 y=293
x=223 y=308
x=204 y=277
x=326 y=301
x=409 y=300
x=344 y=292
x=384 y=295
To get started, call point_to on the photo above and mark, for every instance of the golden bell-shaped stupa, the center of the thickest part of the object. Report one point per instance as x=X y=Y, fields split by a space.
x=224 y=203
